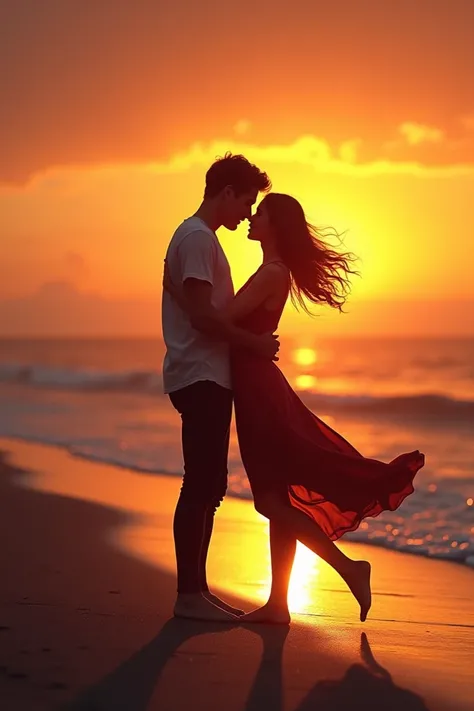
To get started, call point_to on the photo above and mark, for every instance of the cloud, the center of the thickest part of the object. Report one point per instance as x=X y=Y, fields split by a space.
x=417 y=133
x=105 y=228
x=242 y=127
x=124 y=91
x=306 y=151
x=432 y=145
x=58 y=308
x=310 y=151
x=348 y=151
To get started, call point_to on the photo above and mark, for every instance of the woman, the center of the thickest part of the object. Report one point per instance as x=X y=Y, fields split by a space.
x=310 y=483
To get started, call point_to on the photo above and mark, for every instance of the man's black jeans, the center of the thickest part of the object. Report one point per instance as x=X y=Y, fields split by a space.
x=206 y=412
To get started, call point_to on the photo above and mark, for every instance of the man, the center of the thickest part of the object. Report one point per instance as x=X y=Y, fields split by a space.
x=196 y=370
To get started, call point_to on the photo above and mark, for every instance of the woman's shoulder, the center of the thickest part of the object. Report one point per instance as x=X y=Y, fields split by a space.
x=276 y=276
x=274 y=267
x=276 y=272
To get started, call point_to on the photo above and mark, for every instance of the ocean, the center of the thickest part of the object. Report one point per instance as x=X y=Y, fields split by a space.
x=102 y=400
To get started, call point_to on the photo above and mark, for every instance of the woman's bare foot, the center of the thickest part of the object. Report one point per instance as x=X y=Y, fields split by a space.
x=267 y=615
x=358 y=580
x=197 y=607
x=222 y=604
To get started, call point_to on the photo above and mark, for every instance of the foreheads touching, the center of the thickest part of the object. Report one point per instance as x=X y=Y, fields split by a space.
x=234 y=183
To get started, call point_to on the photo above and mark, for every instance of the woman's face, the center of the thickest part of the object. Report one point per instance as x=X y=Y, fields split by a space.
x=260 y=229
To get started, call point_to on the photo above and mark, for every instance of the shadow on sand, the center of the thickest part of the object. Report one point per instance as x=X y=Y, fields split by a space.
x=131 y=685
x=365 y=686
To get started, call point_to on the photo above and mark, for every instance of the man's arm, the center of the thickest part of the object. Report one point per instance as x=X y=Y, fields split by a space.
x=205 y=318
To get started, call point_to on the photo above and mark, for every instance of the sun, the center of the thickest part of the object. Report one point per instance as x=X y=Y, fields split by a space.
x=304 y=579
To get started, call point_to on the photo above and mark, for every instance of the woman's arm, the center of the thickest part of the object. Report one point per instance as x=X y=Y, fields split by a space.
x=195 y=298
x=270 y=281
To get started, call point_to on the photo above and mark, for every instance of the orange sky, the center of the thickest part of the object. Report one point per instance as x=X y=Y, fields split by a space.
x=112 y=111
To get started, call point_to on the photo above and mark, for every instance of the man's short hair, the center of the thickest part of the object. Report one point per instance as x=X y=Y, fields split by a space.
x=238 y=173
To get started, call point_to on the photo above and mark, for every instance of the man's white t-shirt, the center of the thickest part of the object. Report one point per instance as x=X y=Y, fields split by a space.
x=195 y=251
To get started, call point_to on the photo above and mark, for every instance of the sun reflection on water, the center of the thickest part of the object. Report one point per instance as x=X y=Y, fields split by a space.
x=305 y=356
x=305 y=382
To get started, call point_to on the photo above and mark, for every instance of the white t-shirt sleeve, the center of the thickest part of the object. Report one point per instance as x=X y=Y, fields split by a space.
x=197 y=254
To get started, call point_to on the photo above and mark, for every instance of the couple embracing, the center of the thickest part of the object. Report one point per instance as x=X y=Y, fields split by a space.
x=221 y=348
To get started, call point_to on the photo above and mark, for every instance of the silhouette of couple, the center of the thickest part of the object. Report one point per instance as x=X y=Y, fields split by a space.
x=310 y=483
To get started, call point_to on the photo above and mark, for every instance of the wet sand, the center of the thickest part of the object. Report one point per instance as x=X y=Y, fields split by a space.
x=87 y=589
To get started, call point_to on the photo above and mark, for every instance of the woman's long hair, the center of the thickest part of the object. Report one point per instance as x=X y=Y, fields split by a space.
x=319 y=274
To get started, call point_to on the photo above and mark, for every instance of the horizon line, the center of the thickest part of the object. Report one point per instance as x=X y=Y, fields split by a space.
x=156 y=337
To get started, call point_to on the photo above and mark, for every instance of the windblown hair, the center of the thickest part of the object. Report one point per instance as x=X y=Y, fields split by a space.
x=319 y=273
x=239 y=173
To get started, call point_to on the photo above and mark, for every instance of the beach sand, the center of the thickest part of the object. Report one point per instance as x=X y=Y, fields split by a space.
x=87 y=588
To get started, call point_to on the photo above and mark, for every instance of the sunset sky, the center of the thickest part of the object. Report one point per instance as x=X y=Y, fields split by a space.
x=112 y=111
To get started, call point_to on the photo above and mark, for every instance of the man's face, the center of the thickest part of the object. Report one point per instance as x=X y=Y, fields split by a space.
x=235 y=209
